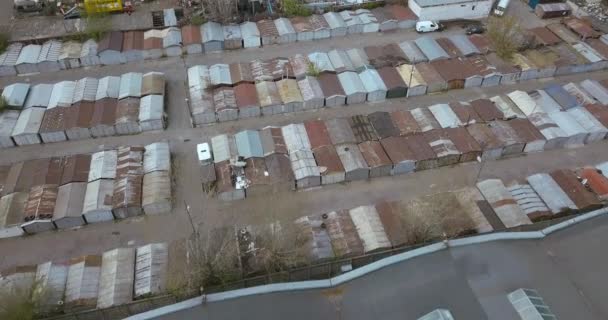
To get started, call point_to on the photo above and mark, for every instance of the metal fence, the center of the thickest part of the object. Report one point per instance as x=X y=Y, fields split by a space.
x=318 y=271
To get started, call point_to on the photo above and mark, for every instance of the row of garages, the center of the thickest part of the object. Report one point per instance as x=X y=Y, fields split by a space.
x=318 y=152
x=66 y=192
x=113 y=278
x=82 y=109
x=367 y=229
x=122 y=47
x=354 y=232
x=226 y=92
x=544 y=196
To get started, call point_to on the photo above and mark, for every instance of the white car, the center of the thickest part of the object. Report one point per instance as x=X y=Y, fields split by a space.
x=428 y=26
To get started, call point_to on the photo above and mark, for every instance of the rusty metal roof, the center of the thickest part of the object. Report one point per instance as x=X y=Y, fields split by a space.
x=133 y=40
x=405 y=122
x=317 y=133
x=191 y=35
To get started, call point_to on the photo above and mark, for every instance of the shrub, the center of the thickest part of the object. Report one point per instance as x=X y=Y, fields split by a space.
x=505 y=35
x=372 y=5
x=3 y=104
x=197 y=20
x=97 y=26
x=293 y=8
x=312 y=70
x=4 y=42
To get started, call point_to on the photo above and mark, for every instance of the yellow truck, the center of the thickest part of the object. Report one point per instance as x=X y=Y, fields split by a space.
x=103 y=6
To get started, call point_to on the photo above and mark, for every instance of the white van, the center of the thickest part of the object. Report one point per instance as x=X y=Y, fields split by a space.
x=428 y=26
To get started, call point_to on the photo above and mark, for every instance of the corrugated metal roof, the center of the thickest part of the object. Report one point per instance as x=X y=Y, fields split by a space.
x=568 y=124
x=169 y=17
x=584 y=199
x=284 y=27
x=15 y=94
x=464 y=45
x=248 y=144
x=340 y=131
x=267 y=28
x=224 y=99
x=431 y=49
x=412 y=52
x=173 y=37
x=198 y=76
x=465 y=112
x=405 y=122
x=311 y=89
x=50 y=51
x=362 y=128
x=382 y=124
x=425 y=119
x=504 y=205
x=449 y=47
x=108 y=87
x=321 y=61
x=133 y=41
x=351 y=83
x=445 y=116
x=334 y=20
x=296 y=137
x=369 y=227
x=411 y=76
x=544 y=101
x=561 y=96
x=268 y=93
x=212 y=31
x=10 y=56
x=232 y=32
x=249 y=30
x=353 y=161
x=328 y=160
x=157 y=157
x=317 y=132
x=246 y=95
x=89 y=48
x=151 y=107
x=220 y=75
x=289 y=91
x=86 y=89
x=303 y=164
x=581 y=96
x=112 y=41
x=529 y=201
x=62 y=95
x=130 y=85
x=524 y=102
x=103 y=165
x=39 y=96
x=372 y=81
x=29 y=54
x=588 y=122
x=70 y=199
x=70 y=50
x=358 y=58
x=507 y=107
x=596 y=90
x=224 y=148
x=8 y=120
x=551 y=193
x=116 y=277
x=272 y=140
x=374 y=154
x=29 y=121
x=486 y=109
x=191 y=35
x=40 y=202
x=340 y=60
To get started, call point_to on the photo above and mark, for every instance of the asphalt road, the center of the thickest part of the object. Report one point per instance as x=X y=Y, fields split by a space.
x=568 y=269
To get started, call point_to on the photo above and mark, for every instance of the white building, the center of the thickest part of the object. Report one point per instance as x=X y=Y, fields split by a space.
x=442 y=10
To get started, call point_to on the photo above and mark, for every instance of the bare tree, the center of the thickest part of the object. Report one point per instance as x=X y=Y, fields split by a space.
x=505 y=35
x=273 y=247
x=435 y=217
x=222 y=11
x=212 y=259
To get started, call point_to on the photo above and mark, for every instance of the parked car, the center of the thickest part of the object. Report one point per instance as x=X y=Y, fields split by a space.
x=474 y=29
x=428 y=26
